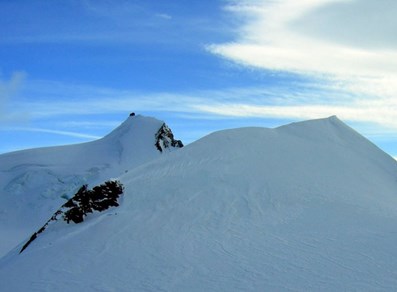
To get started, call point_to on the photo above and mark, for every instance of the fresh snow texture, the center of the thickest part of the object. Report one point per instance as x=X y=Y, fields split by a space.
x=35 y=183
x=310 y=206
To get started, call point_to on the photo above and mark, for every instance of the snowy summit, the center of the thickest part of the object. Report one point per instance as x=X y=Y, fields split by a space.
x=35 y=183
x=309 y=206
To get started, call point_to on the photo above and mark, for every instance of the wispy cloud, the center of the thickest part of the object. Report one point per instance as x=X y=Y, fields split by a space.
x=60 y=108
x=11 y=86
x=101 y=22
x=350 y=45
x=310 y=37
x=56 y=132
x=164 y=16
x=8 y=89
x=88 y=125
x=85 y=21
x=293 y=100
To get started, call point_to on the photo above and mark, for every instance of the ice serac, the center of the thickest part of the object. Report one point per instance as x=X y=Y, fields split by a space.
x=309 y=206
x=36 y=182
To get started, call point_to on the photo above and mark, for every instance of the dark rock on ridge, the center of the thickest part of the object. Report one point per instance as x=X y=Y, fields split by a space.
x=85 y=201
x=165 y=139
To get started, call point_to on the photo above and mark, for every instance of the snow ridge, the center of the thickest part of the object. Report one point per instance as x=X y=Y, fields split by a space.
x=309 y=206
x=35 y=182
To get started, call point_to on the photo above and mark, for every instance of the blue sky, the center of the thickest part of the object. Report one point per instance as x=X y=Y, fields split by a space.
x=71 y=71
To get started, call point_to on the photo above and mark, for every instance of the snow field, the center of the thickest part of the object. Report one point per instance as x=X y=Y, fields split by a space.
x=309 y=206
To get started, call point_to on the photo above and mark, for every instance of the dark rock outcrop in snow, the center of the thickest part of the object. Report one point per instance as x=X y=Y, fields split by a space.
x=44 y=227
x=165 y=139
x=39 y=180
x=85 y=201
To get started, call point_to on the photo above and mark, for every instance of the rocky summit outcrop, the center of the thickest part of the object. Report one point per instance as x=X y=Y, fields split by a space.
x=165 y=139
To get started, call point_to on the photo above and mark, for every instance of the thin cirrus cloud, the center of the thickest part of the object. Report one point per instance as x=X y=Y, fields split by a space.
x=79 y=22
x=245 y=103
x=56 y=132
x=350 y=45
x=306 y=100
x=8 y=90
x=80 y=100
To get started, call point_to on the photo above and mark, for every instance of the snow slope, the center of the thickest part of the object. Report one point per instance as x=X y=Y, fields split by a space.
x=309 y=206
x=34 y=183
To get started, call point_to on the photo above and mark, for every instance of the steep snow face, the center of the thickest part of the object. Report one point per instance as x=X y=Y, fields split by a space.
x=307 y=206
x=34 y=183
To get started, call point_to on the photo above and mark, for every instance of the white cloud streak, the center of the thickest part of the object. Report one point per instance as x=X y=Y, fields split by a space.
x=70 y=106
x=101 y=22
x=270 y=38
x=344 y=43
x=302 y=101
x=8 y=89
x=56 y=132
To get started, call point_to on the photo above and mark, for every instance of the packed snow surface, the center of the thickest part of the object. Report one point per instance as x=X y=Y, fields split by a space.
x=310 y=206
x=34 y=183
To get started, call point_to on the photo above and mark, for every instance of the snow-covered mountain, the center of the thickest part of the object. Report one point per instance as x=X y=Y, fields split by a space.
x=309 y=206
x=34 y=183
